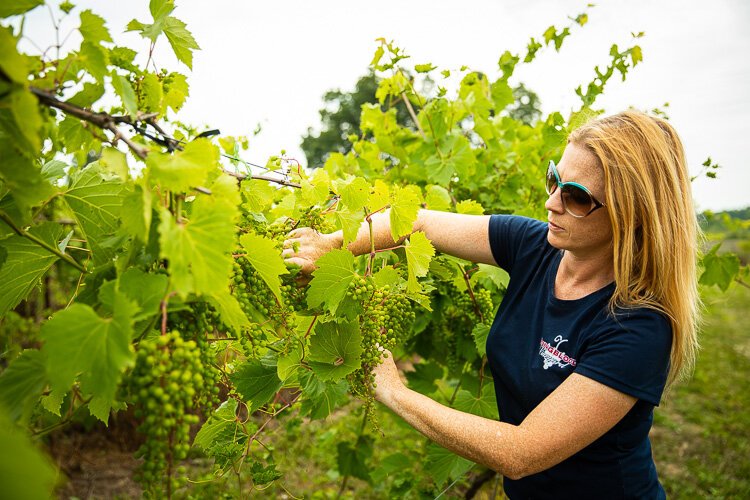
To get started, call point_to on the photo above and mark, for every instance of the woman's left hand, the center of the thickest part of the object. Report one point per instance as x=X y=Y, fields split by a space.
x=387 y=379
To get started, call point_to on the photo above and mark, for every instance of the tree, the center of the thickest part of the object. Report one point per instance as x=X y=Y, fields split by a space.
x=340 y=116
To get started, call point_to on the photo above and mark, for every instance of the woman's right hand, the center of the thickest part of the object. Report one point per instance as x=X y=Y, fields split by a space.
x=304 y=246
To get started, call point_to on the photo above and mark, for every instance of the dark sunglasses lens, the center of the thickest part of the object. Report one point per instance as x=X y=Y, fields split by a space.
x=551 y=181
x=577 y=201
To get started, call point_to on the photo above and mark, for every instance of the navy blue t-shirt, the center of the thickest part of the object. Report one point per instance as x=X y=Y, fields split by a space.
x=537 y=341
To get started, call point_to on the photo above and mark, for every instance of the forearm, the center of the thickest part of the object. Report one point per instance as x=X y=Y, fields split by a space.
x=464 y=236
x=497 y=445
x=381 y=235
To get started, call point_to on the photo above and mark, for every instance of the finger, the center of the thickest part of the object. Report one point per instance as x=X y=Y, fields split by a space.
x=287 y=253
x=306 y=267
x=289 y=242
x=297 y=233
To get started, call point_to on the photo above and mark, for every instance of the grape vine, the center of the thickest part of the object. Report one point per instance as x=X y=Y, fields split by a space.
x=141 y=260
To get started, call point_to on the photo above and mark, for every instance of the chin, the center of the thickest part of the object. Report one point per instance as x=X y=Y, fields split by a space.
x=555 y=241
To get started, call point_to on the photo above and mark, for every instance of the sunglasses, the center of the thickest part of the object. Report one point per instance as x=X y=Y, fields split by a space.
x=576 y=199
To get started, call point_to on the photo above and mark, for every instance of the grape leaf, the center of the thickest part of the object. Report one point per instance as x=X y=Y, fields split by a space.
x=127 y=94
x=331 y=279
x=258 y=195
x=354 y=194
x=422 y=379
x=53 y=170
x=256 y=382
x=78 y=342
x=25 y=110
x=151 y=95
x=419 y=252
x=719 y=270
x=442 y=464
x=25 y=263
x=13 y=64
x=18 y=168
x=114 y=161
x=136 y=213
x=480 y=334
x=321 y=398
x=96 y=204
x=264 y=474
x=95 y=58
x=437 y=198
x=352 y=460
x=484 y=405
x=335 y=350
x=181 y=40
x=287 y=365
x=266 y=259
x=21 y=384
x=394 y=464
x=16 y=7
x=223 y=437
x=469 y=207
x=25 y=472
x=183 y=170
x=350 y=223
x=198 y=249
x=92 y=28
x=223 y=418
x=144 y=289
x=316 y=190
x=160 y=9
x=229 y=309
x=496 y=275
x=405 y=204
x=380 y=197
x=176 y=91
x=387 y=276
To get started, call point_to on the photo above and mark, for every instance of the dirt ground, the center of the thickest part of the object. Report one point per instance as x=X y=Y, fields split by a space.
x=95 y=464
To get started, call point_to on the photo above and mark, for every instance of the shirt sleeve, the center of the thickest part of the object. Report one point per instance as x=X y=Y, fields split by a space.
x=512 y=235
x=631 y=354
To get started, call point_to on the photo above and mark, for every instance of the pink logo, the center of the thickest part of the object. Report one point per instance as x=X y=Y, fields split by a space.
x=553 y=355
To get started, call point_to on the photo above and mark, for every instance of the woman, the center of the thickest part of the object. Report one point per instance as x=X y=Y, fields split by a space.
x=600 y=316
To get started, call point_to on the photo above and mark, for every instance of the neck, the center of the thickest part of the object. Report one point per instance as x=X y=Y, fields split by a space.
x=580 y=275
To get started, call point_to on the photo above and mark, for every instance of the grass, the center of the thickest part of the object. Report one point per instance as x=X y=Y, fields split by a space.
x=701 y=435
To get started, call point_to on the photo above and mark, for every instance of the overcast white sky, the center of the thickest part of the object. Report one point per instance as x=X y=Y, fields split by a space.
x=271 y=62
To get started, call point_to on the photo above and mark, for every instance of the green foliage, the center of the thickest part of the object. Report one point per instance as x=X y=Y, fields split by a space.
x=24 y=471
x=157 y=281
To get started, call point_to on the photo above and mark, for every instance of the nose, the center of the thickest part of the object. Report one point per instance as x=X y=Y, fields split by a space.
x=554 y=202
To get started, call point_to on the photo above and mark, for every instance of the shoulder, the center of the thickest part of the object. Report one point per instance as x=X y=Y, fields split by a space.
x=516 y=223
x=642 y=321
x=512 y=236
x=630 y=352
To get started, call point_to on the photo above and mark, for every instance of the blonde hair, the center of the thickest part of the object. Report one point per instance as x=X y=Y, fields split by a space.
x=654 y=224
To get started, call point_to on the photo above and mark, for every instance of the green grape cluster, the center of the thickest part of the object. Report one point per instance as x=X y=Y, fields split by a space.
x=276 y=231
x=295 y=296
x=254 y=340
x=386 y=322
x=166 y=380
x=315 y=218
x=254 y=295
x=199 y=324
x=250 y=290
x=459 y=315
x=483 y=298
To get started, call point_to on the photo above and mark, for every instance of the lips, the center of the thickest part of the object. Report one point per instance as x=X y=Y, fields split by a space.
x=554 y=227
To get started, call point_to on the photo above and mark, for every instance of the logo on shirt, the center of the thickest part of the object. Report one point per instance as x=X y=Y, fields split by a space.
x=553 y=355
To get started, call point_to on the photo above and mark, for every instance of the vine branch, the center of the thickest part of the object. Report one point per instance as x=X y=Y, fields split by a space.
x=67 y=258
x=108 y=122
